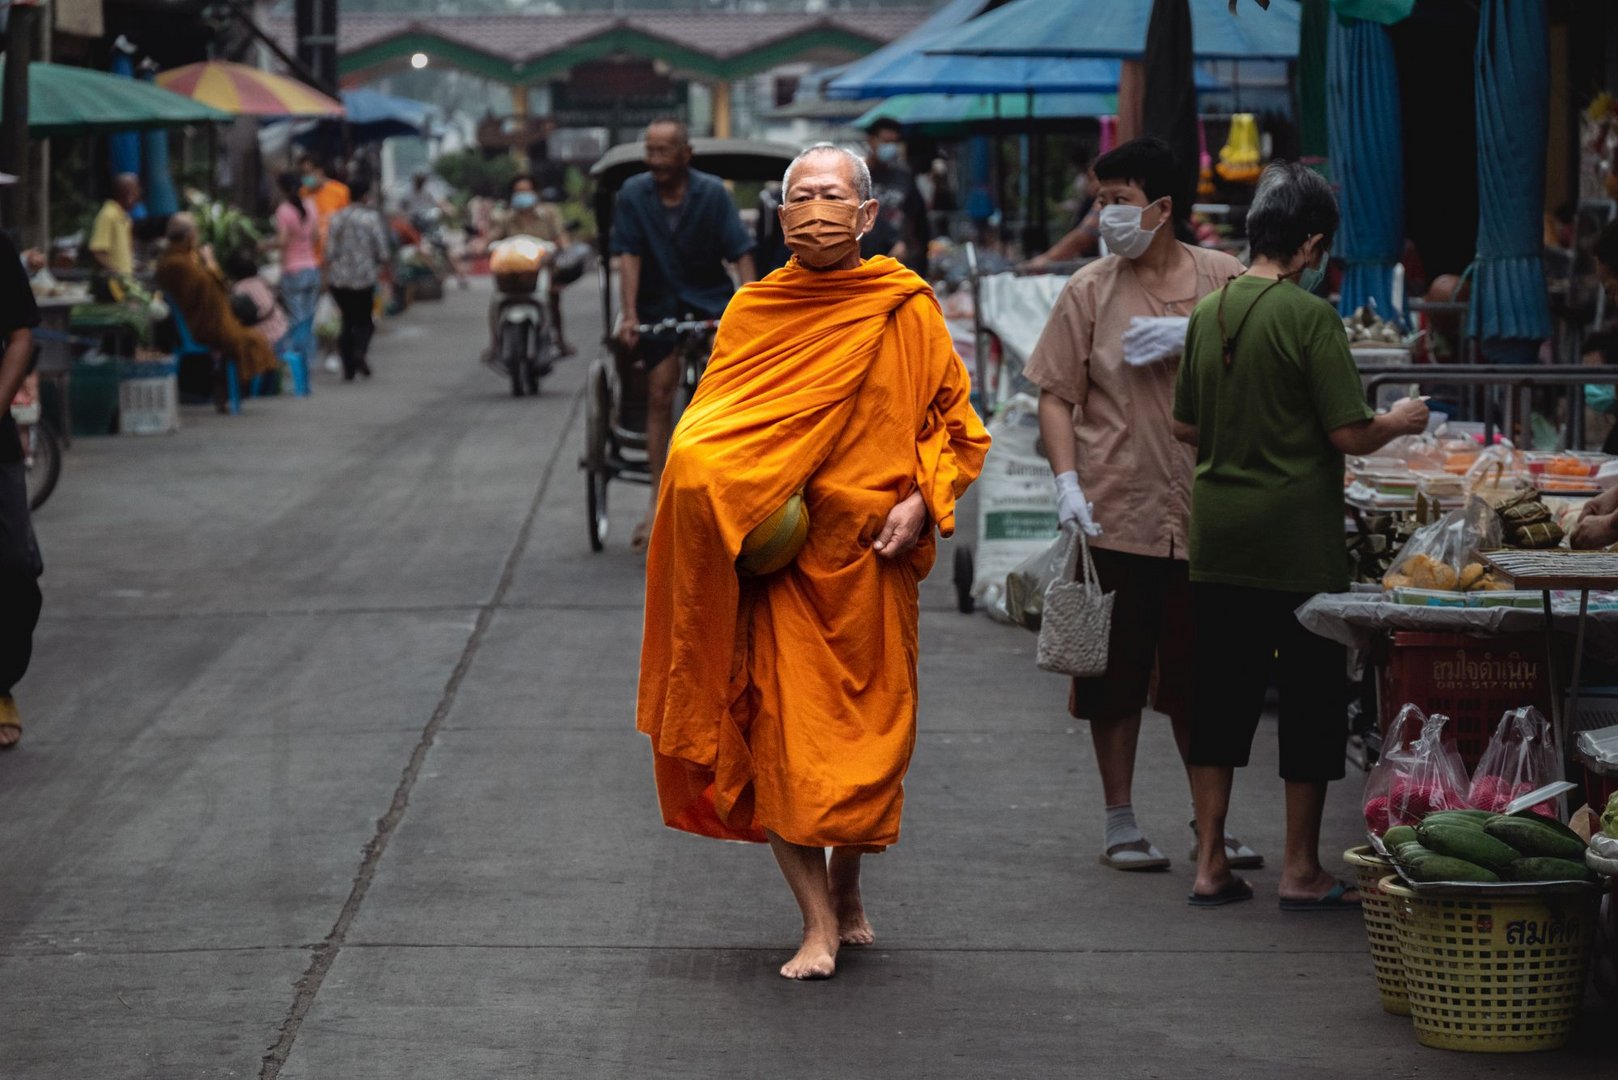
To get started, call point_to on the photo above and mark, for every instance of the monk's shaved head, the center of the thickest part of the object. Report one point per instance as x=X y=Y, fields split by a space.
x=859 y=174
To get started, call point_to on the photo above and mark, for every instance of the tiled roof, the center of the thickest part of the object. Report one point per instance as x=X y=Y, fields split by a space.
x=521 y=38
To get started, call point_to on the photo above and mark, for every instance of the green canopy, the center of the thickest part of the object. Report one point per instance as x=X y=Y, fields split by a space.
x=65 y=100
x=936 y=113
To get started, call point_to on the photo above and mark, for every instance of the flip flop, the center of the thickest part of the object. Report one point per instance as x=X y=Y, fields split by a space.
x=642 y=537
x=1237 y=854
x=1332 y=901
x=1234 y=892
x=1135 y=855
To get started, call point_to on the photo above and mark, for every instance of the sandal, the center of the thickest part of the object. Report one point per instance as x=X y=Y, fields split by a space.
x=1238 y=854
x=1135 y=855
x=642 y=537
x=9 y=718
x=1332 y=901
x=1235 y=891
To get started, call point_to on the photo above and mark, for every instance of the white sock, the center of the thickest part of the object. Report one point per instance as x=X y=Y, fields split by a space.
x=1121 y=827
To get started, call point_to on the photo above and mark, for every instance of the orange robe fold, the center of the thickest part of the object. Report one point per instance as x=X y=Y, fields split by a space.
x=788 y=703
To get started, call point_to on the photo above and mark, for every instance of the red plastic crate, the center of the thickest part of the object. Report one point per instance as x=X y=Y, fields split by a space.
x=1472 y=680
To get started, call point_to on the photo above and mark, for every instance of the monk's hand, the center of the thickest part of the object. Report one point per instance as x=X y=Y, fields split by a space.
x=904 y=527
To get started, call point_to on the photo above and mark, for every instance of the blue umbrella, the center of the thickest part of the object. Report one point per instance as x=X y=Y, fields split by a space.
x=1117 y=28
x=1367 y=155
x=905 y=67
x=1513 y=95
x=377 y=116
x=947 y=110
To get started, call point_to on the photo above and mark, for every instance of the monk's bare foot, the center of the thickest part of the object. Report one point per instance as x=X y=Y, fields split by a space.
x=817 y=959
x=853 y=928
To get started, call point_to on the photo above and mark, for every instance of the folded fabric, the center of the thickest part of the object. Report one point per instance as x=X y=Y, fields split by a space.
x=1153 y=338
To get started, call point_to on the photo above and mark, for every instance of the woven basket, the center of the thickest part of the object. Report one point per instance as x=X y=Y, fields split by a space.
x=1380 y=932
x=1500 y=974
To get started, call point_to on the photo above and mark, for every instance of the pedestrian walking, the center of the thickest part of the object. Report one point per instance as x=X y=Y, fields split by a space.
x=20 y=563
x=1108 y=422
x=902 y=229
x=1269 y=396
x=297 y=233
x=782 y=707
x=357 y=252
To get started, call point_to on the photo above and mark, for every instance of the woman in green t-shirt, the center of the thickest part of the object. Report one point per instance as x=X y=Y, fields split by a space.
x=1270 y=397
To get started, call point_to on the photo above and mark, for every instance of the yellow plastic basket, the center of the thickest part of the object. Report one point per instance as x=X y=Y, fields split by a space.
x=1386 y=958
x=1500 y=973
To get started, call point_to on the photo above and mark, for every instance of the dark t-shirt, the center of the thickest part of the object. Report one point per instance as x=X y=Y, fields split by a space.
x=682 y=268
x=17 y=312
x=903 y=217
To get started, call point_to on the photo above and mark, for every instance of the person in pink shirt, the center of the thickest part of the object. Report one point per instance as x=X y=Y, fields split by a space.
x=296 y=227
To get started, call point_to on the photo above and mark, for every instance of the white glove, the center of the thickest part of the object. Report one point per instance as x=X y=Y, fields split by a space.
x=1153 y=338
x=1071 y=507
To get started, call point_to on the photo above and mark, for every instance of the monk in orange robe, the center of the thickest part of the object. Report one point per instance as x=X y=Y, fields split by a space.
x=783 y=708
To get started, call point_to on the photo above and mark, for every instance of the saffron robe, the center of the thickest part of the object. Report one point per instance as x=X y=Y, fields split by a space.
x=788 y=702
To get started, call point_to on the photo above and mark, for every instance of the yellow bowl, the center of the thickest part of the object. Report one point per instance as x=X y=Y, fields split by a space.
x=777 y=540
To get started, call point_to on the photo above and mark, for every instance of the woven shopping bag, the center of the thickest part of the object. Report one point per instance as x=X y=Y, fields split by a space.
x=1078 y=616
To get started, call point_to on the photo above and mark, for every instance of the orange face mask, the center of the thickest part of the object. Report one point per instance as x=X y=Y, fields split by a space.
x=821 y=232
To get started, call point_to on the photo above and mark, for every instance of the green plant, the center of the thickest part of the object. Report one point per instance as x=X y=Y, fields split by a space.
x=471 y=172
x=228 y=230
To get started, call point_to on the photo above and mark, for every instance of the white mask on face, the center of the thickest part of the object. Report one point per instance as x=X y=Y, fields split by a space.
x=1120 y=228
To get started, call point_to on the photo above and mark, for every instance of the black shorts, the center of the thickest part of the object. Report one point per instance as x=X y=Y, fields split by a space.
x=653 y=349
x=1244 y=636
x=1152 y=630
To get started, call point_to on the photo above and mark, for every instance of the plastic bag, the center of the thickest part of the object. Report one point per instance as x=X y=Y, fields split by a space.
x=1520 y=757
x=1026 y=585
x=1443 y=555
x=1420 y=771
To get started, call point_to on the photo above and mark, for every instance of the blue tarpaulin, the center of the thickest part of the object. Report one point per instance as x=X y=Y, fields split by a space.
x=1513 y=106
x=1367 y=156
x=1117 y=28
x=161 y=197
x=904 y=67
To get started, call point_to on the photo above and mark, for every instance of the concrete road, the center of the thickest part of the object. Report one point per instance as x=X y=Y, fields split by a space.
x=330 y=774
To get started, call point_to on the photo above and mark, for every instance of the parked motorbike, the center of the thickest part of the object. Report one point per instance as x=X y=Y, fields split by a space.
x=524 y=345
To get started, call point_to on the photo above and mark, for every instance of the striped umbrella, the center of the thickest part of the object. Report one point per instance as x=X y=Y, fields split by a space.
x=247 y=91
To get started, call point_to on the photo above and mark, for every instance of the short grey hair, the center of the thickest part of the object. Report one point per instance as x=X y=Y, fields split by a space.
x=862 y=171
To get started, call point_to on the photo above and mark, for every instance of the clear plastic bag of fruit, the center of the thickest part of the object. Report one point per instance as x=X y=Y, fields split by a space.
x=1520 y=757
x=1420 y=771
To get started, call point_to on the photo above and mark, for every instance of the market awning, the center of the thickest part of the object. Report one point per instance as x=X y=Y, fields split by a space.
x=956 y=110
x=376 y=115
x=1117 y=28
x=64 y=100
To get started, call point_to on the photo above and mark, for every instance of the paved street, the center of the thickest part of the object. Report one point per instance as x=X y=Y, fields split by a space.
x=331 y=774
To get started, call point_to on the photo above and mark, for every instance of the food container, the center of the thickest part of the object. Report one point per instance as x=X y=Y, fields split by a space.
x=1499 y=971
x=1380 y=932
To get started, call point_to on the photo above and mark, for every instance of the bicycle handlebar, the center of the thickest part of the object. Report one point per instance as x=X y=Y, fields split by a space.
x=677 y=326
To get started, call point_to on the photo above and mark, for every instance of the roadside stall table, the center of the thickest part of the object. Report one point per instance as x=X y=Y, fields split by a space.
x=1582 y=572
x=56 y=354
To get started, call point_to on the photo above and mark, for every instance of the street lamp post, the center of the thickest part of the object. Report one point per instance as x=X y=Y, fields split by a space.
x=20 y=31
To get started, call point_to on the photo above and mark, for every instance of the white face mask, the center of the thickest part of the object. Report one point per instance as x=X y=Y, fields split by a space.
x=1120 y=228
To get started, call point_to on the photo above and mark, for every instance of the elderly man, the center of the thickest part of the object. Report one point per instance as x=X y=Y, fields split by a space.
x=112 y=236
x=1269 y=396
x=675 y=230
x=193 y=283
x=782 y=708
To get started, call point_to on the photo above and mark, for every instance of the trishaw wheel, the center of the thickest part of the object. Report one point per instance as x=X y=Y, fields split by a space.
x=597 y=409
x=964 y=574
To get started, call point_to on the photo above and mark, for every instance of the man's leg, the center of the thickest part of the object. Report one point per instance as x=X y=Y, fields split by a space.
x=1313 y=726
x=344 y=299
x=661 y=383
x=364 y=328
x=1210 y=796
x=1116 y=742
x=805 y=871
x=20 y=599
x=853 y=928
